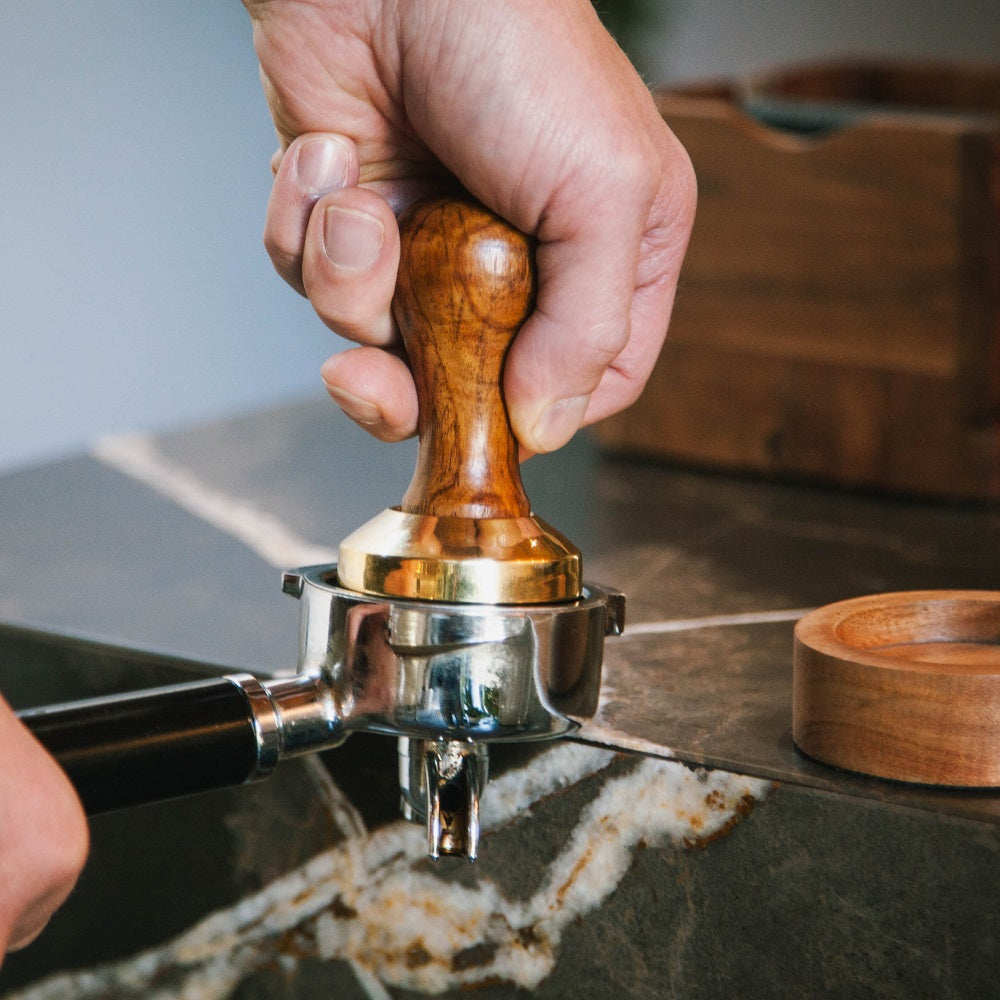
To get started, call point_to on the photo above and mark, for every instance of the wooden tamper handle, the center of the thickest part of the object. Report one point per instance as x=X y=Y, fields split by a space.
x=464 y=531
x=466 y=284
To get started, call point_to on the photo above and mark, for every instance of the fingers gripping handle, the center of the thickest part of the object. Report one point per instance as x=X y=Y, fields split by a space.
x=466 y=284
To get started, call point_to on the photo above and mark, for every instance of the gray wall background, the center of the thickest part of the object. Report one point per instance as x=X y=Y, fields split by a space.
x=134 y=292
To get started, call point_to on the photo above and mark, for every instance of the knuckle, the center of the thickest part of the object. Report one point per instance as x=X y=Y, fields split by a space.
x=351 y=309
x=287 y=264
x=635 y=167
x=66 y=853
x=282 y=255
x=630 y=387
x=605 y=344
x=353 y=321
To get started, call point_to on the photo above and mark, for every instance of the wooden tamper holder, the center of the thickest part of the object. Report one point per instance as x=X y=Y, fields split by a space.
x=903 y=686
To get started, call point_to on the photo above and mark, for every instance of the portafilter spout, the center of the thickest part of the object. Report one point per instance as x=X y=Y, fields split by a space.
x=455 y=620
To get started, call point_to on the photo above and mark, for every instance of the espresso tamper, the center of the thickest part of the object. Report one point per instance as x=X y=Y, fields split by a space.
x=456 y=620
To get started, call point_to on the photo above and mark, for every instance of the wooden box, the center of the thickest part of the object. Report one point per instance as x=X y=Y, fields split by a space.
x=838 y=316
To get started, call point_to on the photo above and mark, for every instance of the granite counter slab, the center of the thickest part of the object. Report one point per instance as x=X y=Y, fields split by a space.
x=755 y=862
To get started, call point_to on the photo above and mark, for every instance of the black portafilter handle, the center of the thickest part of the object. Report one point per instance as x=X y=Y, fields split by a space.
x=163 y=743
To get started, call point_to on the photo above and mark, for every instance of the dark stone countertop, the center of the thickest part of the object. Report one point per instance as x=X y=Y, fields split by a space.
x=90 y=551
x=716 y=568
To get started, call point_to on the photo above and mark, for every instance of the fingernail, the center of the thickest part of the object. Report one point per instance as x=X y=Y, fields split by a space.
x=558 y=422
x=350 y=238
x=321 y=165
x=359 y=410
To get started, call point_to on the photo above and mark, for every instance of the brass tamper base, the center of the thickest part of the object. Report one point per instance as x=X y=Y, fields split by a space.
x=460 y=560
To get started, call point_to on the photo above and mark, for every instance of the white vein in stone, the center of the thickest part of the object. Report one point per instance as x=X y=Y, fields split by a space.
x=642 y=629
x=136 y=455
x=372 y=900
x=376 y=903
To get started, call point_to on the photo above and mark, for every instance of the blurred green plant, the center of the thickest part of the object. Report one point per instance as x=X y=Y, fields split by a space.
x=631 y=22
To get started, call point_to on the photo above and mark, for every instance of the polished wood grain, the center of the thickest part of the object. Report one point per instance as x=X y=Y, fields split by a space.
x=838 y=314
x=901 y=83
x=466 y=284
x=902 y=685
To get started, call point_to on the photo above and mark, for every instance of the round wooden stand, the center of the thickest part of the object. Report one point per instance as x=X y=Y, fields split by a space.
x=903 y=686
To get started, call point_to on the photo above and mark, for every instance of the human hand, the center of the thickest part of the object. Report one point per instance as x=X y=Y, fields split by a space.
x=540 y=116
x=43 y=835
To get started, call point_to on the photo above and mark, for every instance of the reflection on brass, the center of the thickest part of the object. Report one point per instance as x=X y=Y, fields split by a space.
x=457 y=559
